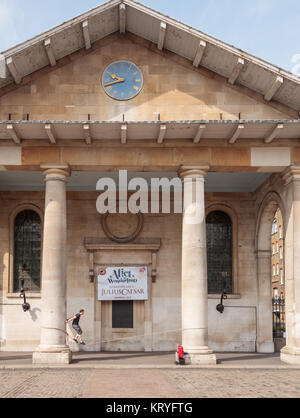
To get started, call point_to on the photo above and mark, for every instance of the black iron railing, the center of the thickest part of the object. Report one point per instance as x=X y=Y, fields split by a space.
x=278 y=305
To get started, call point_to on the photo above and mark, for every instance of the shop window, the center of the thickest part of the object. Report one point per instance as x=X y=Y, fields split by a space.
x=219 y=252
x=122 y=314
x=27 y=251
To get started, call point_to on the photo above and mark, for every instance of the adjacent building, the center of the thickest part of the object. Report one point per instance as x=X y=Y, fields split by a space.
x=277 y=248
x=278 y=284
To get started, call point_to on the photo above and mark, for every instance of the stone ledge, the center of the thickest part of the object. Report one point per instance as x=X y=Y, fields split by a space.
x=28 y=295
x=94 y=244
x=229 y=296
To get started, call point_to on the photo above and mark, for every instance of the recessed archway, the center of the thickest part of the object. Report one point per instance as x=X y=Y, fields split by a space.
x=266 y=214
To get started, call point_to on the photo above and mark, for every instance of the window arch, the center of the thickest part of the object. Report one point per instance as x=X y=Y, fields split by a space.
x=27 y=250
x=219 y=239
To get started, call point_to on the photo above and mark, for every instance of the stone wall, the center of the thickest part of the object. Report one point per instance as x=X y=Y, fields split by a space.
x=18 y=331
x=74 y=91
x=235 y=330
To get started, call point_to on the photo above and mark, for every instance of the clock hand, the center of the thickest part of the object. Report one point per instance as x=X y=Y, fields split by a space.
x=119 y=80
x=115 y=77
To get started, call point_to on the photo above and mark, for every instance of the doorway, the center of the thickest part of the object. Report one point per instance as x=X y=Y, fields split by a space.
x=122 y=325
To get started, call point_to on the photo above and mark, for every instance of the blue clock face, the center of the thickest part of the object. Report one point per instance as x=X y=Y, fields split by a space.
x=122 y=80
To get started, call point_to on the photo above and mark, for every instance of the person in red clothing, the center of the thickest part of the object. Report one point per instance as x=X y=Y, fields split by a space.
x=76 y=326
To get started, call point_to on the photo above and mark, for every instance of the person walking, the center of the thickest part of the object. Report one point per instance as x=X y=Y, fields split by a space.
x=76 y=327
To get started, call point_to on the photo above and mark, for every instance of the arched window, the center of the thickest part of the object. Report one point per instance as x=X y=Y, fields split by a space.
x=219 y=252
x=27 y=251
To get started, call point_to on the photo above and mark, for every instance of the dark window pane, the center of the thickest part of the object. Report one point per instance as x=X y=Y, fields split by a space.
x=122 y=314
x=219 y=251
x=27 y=251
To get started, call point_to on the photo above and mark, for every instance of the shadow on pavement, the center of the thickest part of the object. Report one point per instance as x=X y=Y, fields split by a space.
x=14 y=357
x=236 y=357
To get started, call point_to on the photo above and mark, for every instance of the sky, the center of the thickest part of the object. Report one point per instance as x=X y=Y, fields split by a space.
x=268 y=29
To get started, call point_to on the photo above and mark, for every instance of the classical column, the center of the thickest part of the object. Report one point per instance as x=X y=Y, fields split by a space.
x=194 y=268
x=291 y=352
x=53 y=348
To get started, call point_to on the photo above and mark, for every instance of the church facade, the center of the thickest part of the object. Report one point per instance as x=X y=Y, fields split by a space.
x=125 y=89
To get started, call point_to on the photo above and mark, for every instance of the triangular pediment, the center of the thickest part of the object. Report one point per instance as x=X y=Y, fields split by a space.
x=172 y=89
x=201 y=50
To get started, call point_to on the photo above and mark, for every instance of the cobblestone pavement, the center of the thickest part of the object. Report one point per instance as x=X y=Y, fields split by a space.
x=149 y=383
x=42 y=383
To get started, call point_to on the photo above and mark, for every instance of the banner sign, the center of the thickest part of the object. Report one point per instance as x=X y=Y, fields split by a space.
x=123 y=283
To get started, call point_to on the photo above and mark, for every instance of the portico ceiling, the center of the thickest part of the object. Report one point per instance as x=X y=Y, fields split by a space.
x=267 y=131
x=86 y=181
x=122 y=16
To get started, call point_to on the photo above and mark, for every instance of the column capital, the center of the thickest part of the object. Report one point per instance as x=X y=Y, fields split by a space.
x=292 y=173
x=193 y=171
x=56 y=170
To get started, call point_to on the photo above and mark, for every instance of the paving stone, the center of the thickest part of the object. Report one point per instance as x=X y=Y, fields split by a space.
x=149 y=383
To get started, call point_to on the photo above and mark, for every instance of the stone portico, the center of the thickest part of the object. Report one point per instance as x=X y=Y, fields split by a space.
x=231 y=125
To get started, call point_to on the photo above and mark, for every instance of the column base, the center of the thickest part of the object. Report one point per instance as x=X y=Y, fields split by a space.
x=265 y=347
x=290 y=355
x=200 y=357
x=52 y=356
